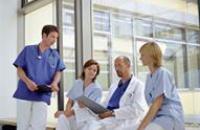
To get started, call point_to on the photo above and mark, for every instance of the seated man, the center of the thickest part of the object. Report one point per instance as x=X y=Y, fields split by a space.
x=125 y=101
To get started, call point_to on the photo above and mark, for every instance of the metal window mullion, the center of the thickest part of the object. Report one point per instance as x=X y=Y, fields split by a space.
x=185 y=66
x=83 y=33
x=59 y=22
x=28 y=7
x=199 y=41
x=110 y=48
x=185 y=61
x=78 y=37
x=199 y=11
x=134 y=49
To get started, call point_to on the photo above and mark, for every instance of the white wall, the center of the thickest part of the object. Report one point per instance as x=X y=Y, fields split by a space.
x=8 y=53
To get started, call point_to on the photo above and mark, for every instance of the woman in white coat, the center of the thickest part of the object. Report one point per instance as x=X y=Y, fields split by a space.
x=125 y=100
x=86 y=85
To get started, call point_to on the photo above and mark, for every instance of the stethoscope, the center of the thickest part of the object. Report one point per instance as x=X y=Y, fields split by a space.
x=39 y=54
x=39 y=57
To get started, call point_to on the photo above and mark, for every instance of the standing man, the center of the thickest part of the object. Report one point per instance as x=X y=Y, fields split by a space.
x=37 y=65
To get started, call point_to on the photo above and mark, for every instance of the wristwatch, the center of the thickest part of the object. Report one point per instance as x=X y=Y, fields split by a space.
x=113 y=113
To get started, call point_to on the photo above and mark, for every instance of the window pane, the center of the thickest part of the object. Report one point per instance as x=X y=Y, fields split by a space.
x=143 y=28
x=183 y=11
x=169 y=32
x=100 y=53
x=101 y=21
x=194 y=66
x=193 y=36
x=70 y=77
x=142 y=71
x=34 y=23
x=122 y=27
x=174 y=61
x=122 y=43
x=68 y=44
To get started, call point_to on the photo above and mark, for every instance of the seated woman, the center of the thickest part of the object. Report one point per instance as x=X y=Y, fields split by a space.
x=165 y=112
x=87 y=86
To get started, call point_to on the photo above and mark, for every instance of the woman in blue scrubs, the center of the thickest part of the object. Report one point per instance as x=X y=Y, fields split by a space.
x=165 y=112
x=75 y=113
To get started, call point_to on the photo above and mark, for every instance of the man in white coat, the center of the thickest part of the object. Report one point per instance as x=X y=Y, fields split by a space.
x=126 y=101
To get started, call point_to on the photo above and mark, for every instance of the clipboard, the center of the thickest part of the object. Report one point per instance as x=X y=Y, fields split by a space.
x=43 y=89
x=92 y=105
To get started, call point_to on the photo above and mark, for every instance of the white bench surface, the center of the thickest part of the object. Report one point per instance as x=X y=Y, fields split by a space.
x=12 y=121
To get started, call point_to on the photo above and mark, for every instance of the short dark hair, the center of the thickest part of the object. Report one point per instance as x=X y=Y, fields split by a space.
x=125 y=59
x=49 y=28
x=86 y=65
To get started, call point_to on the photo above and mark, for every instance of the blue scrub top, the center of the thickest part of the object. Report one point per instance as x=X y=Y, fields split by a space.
x=39 y=67
x=93 y=91
x=170 y=115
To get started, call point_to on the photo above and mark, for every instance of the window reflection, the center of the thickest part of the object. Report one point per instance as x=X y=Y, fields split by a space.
x=182 y=11
x=194 y=66
x=122 y=27
x=101 y=21
x=33 y=23
x=143 y=28
x=193 y=36
x=122 y=43
x=169 y=32
x=100 y=53
x=68 y=46
x=173 y=60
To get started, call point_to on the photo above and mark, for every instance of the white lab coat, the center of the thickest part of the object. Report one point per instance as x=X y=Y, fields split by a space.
x=132 y=108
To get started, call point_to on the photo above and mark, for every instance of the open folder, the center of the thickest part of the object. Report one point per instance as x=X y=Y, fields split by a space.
x=92 y=105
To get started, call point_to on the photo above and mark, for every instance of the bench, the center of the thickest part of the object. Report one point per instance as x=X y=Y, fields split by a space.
x=12 y=122
x=192 y=121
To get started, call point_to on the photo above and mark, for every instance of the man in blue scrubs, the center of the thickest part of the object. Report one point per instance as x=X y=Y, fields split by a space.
x=37 y=65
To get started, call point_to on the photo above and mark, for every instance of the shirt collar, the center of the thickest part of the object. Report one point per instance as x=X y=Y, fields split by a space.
x=122 y=82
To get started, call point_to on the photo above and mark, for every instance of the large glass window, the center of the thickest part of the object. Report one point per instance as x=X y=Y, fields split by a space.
x=101 y=54
x=122 y=41
x=34 y=23
x=101 y=45
x=194 y=66
x=183 y=11
x=169 y=32
x=193 y=36
x=173 y=60
x=68 y=44
x=143 y=28
x=126 y=22
x=101 y=21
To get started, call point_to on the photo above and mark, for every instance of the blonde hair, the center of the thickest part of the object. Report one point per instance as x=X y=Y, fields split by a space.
x=154 y=51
